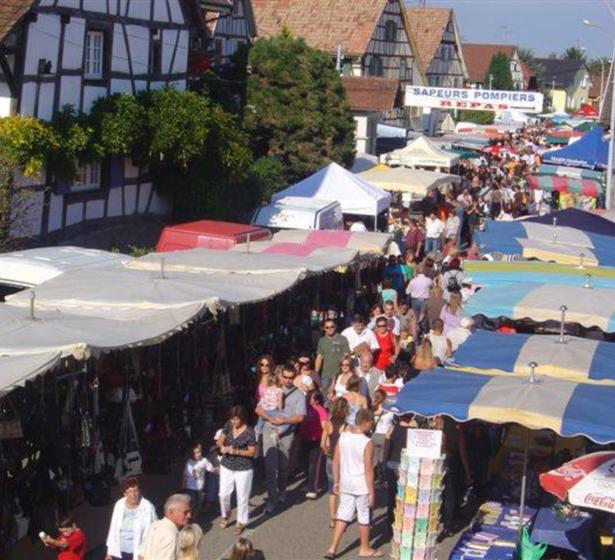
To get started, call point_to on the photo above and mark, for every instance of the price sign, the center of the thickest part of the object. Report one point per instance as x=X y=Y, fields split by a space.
x=424 y=443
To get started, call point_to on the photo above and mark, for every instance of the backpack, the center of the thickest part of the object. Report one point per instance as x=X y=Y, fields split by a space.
x=453 y=284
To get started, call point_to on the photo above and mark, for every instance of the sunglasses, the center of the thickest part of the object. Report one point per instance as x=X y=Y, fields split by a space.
x=329 y=327
x=289 y=377
x=381 y=325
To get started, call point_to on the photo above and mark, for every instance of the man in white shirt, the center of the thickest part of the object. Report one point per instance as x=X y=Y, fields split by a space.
x=160 y=542
x=434 y=227
x=358 y=334
x=451 y=228
x=389 y=314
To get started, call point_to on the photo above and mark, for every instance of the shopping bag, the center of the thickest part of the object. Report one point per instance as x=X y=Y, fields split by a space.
x=527 y=550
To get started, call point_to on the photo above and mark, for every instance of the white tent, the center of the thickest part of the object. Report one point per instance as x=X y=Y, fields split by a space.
x=421 y=152
x=363 y=162
x=447 y=124
x=418 y=182
x=34 y=266
x=333 y=182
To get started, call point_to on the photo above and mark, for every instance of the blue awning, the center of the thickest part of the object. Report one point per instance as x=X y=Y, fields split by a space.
x=590 y=151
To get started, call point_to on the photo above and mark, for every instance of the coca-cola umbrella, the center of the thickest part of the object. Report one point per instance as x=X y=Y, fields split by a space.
x=587 y=481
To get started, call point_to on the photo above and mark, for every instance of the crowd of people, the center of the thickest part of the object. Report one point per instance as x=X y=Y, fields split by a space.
x=323 y=413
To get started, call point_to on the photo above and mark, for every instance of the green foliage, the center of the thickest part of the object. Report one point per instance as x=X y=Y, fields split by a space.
x=177 y=125
x=296 y=109
x=478 y=117
x=119 y=124
x=6 y=198
x=26 y=142
x=575 y=53
x=266 y=176
x=74 y=135
x=499 y=69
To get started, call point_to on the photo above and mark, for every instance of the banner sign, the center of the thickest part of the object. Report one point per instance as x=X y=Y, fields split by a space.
x=473 y=99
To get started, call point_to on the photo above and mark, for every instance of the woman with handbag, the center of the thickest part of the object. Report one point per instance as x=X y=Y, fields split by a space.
x=131 y=517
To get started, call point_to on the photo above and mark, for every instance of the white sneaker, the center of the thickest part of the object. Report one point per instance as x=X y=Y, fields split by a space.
x=311 y=495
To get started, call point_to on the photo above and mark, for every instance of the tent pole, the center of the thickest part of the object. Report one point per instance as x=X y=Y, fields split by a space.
x=524 y=482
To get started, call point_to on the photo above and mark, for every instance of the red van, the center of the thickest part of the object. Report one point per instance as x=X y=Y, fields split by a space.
x=208 y=234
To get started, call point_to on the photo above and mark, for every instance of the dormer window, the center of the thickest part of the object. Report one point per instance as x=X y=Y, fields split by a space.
x=390 y=31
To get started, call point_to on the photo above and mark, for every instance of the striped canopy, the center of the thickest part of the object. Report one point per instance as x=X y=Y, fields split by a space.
x=567 y=408
x=546 y=243
x=498 y=274
x=574 y=172
x=541 y=302
x=581 y=360
x=548 y=183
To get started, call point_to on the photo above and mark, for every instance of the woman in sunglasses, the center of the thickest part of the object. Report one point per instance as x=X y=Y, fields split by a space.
x=264 y=367
x=388 y=345
x=339 y=389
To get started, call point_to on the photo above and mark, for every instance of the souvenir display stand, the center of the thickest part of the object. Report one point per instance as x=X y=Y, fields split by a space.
x=419 y=497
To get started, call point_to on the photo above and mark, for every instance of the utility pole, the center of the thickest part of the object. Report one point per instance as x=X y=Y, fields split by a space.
x=490 y=81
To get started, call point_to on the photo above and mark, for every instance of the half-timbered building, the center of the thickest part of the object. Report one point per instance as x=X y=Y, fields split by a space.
x=365 y=37
x=59 y=52
x=229 y=29
x=438 y=42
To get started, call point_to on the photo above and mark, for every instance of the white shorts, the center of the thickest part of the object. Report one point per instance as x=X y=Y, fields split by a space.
x=349 y=503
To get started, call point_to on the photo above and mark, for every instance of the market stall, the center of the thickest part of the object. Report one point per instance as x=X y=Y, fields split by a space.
x=580 y=360
x=415 y=182
x=550 y=183
x=421 y=153
x=333 y=182
x=590 y=152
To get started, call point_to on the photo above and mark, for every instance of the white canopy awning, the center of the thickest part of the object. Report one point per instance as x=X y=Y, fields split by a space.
x=34 y=266
x=16 y=370
x=70 y=334
x=402 y=179
x=333 y=182
x=108 y=291
x=421 y=152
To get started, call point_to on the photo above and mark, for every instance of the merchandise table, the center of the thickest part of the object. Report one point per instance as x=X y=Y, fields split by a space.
x=576 y=535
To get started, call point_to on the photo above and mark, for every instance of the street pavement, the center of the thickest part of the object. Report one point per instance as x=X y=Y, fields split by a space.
x=298 y=530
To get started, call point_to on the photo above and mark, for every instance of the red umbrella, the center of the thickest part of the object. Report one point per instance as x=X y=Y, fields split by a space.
x=588 y=481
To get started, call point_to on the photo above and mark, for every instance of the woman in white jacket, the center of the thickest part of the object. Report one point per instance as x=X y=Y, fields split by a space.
x=131 y=517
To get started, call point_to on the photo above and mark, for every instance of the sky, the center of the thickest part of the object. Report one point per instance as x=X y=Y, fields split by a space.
x=544 y=26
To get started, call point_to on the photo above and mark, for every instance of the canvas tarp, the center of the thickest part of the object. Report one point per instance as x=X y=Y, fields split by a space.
x=569 y=409
x=242 y=262
x=16 y=370
x=33 y=266
x=421 y=152
x=70 y=334
x=333 y=182
x=315 y=242
x=402 y=179
x=581 y=360
x=587 y=222
x=593 y=307
x=107 y=291
x=590 y=151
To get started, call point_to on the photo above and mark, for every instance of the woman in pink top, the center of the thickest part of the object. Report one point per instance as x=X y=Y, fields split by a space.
x=310 y=433
x=452 y=313
x=264 y=366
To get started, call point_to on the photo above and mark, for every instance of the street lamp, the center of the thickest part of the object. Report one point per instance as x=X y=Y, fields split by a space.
x=609 y=168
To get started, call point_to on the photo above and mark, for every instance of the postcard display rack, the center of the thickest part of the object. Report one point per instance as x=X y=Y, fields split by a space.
x=419 y=496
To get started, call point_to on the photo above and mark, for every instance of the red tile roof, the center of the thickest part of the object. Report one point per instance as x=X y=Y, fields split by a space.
x=427 y=26
x=370 y=93
x=11 y=11
x=594 y=90
x=478 y=58
x=323 y=24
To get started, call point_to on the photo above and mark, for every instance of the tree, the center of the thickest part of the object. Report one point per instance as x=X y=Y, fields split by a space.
x=528 y=57
x=297 y=110
x=575 y=53
x=498 y=74
x=478 y=117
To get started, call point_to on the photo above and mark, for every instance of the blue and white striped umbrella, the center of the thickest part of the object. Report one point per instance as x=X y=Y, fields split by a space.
x=593 y=307
x=568 y=409
x=580 y=360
